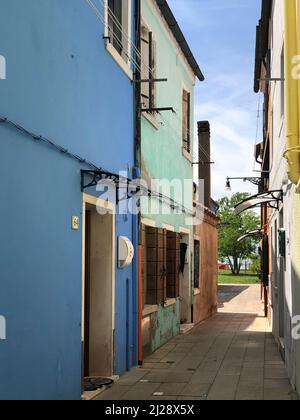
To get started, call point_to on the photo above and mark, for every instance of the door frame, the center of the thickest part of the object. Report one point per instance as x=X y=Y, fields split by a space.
x=96 y=202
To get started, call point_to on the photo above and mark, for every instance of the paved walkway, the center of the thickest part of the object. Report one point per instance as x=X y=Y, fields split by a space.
x=232 y=356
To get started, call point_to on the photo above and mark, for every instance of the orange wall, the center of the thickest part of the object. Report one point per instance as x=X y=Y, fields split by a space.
x=206 y=303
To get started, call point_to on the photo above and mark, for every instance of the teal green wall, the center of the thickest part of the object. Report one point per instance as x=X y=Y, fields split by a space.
x=167 y=321
x=162 y=156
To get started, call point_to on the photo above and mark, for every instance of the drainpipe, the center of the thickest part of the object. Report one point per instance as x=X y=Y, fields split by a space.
x=292 y=153
x=296 y=231
x=138 y=164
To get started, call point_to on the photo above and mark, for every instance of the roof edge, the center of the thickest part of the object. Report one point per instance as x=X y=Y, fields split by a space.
x=180 y=38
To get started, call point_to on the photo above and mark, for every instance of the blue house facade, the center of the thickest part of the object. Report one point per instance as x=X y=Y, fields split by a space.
x=67 y=295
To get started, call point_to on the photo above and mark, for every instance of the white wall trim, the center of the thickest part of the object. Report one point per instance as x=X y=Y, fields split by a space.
x=184 y=231
x=170 y=228
x=149 y=222
x=119 y=60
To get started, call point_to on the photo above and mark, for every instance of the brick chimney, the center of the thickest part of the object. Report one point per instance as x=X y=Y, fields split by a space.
x=204 y=159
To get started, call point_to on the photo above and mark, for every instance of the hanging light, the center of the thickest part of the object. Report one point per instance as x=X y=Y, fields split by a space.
x=228 y=185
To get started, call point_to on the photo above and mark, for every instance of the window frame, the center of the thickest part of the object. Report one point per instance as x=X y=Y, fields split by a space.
x=123 y=59
x=186 y=145
x=151 y=63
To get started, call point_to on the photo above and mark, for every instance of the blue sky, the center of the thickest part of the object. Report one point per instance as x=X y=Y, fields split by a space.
x=221 y=34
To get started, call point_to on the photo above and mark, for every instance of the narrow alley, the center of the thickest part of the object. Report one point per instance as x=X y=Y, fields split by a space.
x=232 y=356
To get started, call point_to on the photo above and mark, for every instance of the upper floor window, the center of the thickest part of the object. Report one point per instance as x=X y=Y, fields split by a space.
x=118 y=18
x=186 y=120
x=148 y=69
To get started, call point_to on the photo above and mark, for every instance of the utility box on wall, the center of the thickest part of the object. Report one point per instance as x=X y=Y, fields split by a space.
x=282 y=242
x=126 y=252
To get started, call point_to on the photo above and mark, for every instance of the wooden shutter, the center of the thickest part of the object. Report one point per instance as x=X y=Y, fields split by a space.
x=156 y=266
x=173 y=262
x=197 y=265
x=186 y=104
x=144 y=264
x=148 y=90
x=145 y=91
x=152 y=72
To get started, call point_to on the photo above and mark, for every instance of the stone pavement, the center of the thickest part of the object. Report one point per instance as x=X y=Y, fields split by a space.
x=232 y=356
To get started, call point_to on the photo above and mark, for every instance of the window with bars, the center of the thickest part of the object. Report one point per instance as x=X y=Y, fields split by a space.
x=186 y=120
x=160 y=265
x=197 y=265
x=148 y=68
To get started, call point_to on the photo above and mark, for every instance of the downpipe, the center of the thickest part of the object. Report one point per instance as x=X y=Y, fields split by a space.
x=292 y=89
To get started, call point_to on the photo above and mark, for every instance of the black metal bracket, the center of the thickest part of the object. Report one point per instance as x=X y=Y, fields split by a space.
x=126 y=185
x=96 y=177
x=121 y=183
x=150 y=81
x=253 y=180
x=272 y=79
x=158 y=110
x=277 y=199
x=203 y=163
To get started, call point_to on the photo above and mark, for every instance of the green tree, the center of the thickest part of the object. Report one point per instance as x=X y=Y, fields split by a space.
x=231 y=228
x=255 y=266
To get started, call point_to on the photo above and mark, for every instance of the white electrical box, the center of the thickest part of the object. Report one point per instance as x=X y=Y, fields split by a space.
x=126 y=252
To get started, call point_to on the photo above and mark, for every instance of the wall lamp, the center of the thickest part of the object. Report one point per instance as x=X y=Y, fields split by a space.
x=253 y=180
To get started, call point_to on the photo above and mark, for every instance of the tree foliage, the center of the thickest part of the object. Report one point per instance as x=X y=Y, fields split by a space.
x=232 y=227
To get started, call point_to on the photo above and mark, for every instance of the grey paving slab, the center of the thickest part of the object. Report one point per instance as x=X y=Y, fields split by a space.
x=232 y=356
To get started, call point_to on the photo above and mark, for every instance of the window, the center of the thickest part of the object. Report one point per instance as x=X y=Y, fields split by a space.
x=115 y=20
x=160 y=265
x=173 y=264
x=186 y=121
x=118 y=18
x=148 y=69
x=197 y=265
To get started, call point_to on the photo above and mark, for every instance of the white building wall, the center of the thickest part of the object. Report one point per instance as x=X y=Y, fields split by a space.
x=281 y=277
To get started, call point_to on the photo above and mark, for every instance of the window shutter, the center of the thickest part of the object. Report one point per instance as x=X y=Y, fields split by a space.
x=186 y=104
x=197 y=265
x=145 y=92
x=144 y=265
x=156 y=266
x=152 y=72
x=173 y=264
x=177 y=266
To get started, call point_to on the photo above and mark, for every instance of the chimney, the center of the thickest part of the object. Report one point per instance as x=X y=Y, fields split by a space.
x=205 y=159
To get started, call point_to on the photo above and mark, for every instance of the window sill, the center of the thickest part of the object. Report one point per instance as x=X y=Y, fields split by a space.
x=152 y=120
x=119 y=60
x=187 y=155
x=170 y=302
x=149 y=310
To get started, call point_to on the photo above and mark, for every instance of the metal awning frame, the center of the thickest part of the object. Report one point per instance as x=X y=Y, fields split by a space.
x=120 y=182
x=124 y=184
x=270 y=198
x=249 y=234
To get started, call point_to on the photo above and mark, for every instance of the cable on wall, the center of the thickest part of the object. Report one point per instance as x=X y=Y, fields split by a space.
x=50 y=143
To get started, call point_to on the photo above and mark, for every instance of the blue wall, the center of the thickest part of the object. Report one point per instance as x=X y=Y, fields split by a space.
x=61 y=83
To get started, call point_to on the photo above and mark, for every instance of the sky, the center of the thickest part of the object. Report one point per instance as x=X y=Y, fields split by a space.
x=221 y=34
